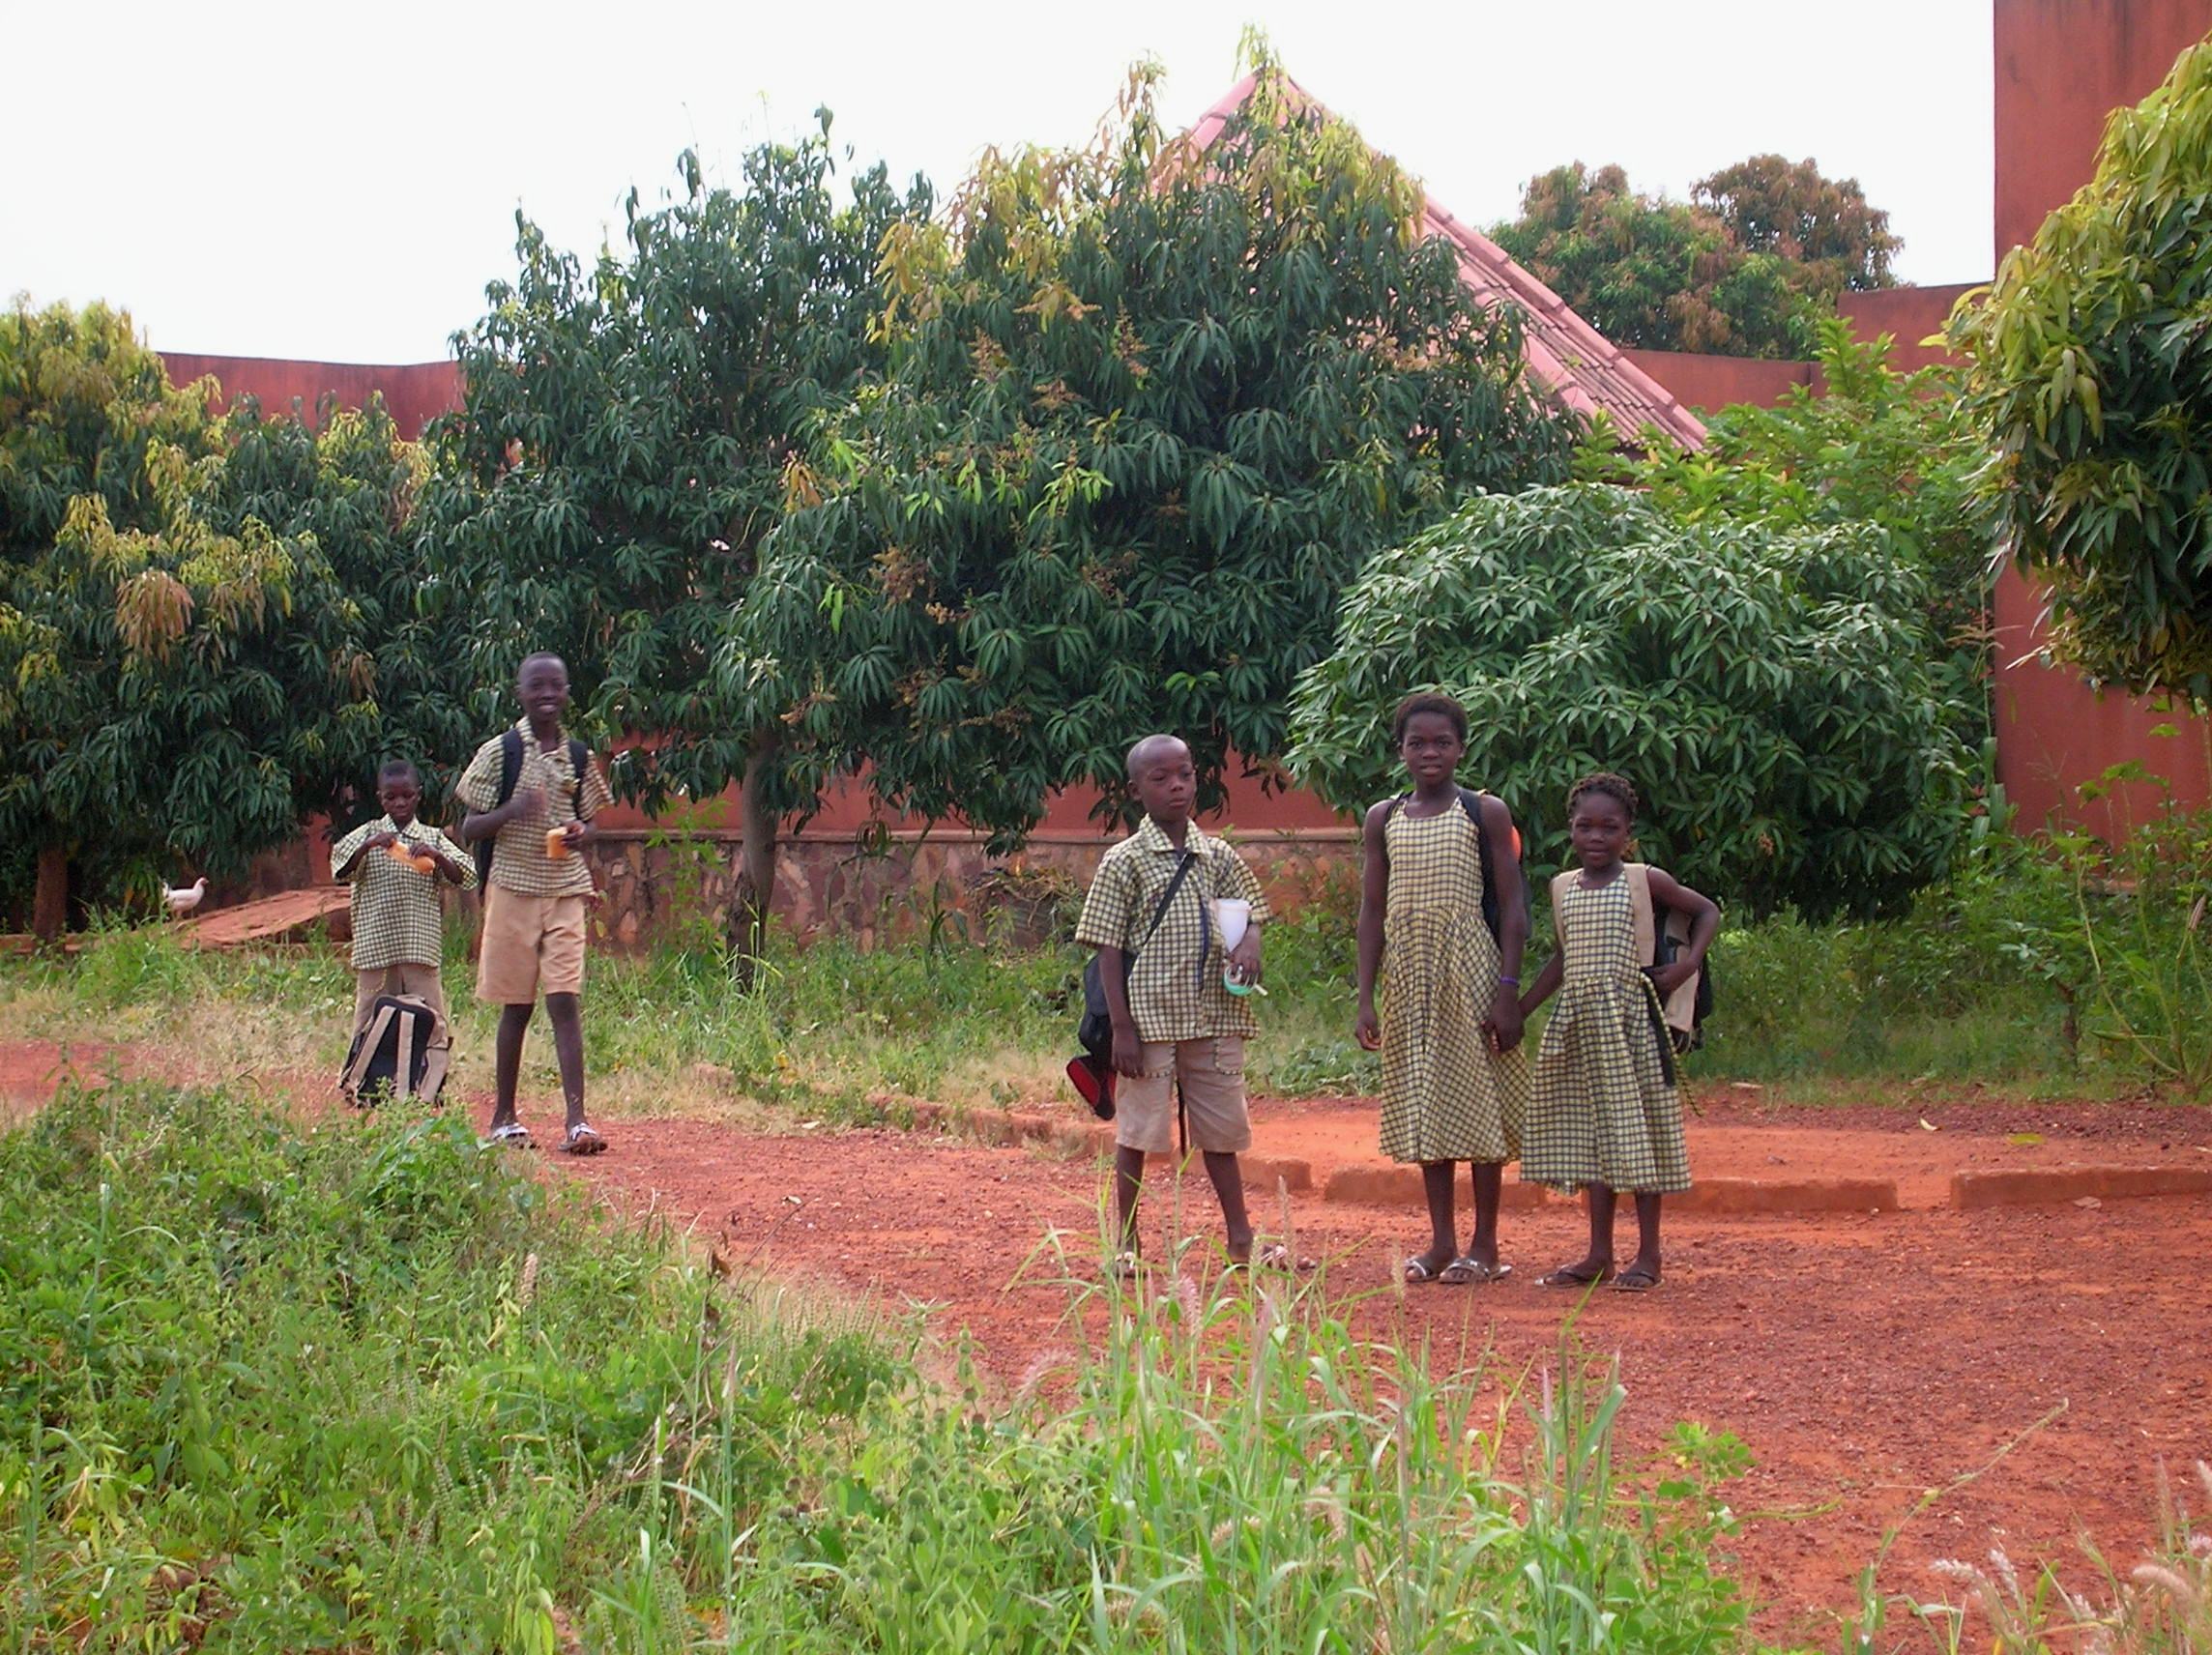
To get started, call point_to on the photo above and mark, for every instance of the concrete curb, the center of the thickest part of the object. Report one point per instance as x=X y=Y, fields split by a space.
x=2050 y=1185
x=1389 y=1184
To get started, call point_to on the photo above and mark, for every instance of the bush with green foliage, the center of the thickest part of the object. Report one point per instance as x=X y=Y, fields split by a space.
x=1875 y=447
x=2090 y=374
x=1770 y=691
x=187 y=649
x=1147 y=411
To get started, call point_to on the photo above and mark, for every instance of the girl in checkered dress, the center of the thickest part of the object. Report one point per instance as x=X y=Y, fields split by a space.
x=1455 y=1081
x=1607 y=1116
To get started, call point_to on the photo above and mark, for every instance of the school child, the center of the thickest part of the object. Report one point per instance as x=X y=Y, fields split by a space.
x=1607 y=1116
x=532 y=791
x=397 y=923
x=1161 y=968
x=1455 y=1081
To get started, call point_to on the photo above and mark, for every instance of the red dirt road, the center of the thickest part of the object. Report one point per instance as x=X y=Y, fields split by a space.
x=1864 y=1358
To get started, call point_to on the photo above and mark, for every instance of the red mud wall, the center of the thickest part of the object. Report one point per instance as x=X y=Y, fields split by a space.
x=2062 y=67
x=414 y=393
x=1706 y=383
x=1908 y=315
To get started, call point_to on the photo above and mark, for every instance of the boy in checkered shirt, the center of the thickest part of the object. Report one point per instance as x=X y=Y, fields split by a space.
x=538 y=815
x=1176 y=1026
x=395 y=865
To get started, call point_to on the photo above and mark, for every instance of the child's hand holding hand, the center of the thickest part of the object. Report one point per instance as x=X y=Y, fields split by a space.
x=1670 y=977
x=1503 y=1023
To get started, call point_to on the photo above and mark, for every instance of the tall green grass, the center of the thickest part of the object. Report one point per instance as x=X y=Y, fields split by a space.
x=364 y=1387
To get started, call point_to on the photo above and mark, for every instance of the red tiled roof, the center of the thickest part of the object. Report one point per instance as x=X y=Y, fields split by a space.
x=1567 y=355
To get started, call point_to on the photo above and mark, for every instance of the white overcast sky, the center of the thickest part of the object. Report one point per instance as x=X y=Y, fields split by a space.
x=340 y=183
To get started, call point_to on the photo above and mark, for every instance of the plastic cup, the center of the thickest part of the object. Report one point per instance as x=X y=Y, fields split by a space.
x=555 y=843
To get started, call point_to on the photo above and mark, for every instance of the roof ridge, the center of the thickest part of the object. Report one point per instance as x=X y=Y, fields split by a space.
x=1568 y=355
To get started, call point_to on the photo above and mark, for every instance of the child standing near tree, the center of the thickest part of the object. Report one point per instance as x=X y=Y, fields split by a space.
x=1455 y=1081
x=532 y=791
x=395 y=865
x=1176 y=1027
x=1606 y=1115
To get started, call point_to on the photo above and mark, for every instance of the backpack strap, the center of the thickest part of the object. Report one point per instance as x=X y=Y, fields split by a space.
x=1639 y=878
x=1559 y=882
x=579 y=760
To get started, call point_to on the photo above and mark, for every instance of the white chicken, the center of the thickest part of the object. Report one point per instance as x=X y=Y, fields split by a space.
x=182 y=902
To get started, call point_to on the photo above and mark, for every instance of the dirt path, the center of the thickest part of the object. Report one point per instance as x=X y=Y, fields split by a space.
x=1864 y=1358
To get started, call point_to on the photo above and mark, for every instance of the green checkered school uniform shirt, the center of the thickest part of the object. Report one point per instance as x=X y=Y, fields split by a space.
x=398 y=919
x=518 y=860
x=1175 y=991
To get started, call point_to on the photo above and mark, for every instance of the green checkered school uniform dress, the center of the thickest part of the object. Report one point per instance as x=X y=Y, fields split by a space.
x=1606 y=1109
x=1446 y=1096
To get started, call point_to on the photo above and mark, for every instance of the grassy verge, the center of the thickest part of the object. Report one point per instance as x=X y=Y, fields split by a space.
x=363 y=1387
x=1959 y=994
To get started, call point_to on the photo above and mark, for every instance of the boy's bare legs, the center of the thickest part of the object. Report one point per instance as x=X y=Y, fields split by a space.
x=506 y=1061
x=1444 y=1220
x=1229 y=1185
x=566 y=1011
x=1128 y=1184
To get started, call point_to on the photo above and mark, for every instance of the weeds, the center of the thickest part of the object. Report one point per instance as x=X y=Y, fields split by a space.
x=363 y=1387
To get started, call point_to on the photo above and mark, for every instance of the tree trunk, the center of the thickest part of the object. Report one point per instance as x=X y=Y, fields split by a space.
x=49 y=903
x=755 y=891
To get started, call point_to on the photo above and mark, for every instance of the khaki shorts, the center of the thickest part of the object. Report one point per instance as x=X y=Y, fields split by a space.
x=1211 y=1071
x=532 y=945
x=407 y=977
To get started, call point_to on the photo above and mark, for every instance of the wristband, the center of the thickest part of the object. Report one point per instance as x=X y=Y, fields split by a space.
x=1509 y=982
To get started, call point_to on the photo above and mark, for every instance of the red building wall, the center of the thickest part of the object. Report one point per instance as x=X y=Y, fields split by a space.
x=413 y=393
x=2062 y=67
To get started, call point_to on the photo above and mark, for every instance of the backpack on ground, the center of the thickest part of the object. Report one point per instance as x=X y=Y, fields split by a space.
x=509 y=775
x=1662 y=932
x=1471 y=800
x=401 y=1053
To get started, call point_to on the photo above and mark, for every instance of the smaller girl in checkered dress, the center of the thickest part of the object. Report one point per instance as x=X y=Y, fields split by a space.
x=1607 y=1116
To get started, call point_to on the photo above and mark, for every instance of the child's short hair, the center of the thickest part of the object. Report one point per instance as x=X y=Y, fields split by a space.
x=399 y=769
x=1614 y=787
x=1428 y=701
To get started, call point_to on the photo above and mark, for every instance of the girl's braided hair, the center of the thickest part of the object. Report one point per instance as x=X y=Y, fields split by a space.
x=1617 y=788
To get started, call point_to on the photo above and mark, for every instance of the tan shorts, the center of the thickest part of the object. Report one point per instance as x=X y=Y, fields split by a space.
x=407 y=977
x=1213 y=1075
x=532 y=945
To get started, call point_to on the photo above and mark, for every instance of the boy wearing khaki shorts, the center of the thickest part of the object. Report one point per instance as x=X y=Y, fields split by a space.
x=539 y=889
x=1176 y=1025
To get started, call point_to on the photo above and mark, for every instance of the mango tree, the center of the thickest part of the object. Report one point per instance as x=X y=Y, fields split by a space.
x=1147 y=411
x=623 y=450
x=184 y=673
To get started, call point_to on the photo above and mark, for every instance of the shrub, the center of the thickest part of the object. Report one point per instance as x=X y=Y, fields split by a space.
x=1770 y=693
